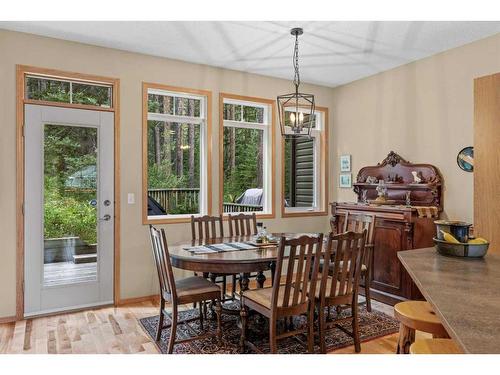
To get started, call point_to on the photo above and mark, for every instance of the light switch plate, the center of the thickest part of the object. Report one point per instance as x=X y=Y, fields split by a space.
x=131 y=198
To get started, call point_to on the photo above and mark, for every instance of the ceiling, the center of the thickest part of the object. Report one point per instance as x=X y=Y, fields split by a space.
x=331 y=53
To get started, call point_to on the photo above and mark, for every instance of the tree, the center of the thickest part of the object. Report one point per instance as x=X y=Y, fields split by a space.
x=191 y=145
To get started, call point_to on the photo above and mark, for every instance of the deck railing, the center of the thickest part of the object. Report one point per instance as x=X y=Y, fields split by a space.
x=182 y=200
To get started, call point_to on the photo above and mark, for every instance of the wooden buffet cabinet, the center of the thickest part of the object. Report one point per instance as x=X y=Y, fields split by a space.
x=397 y=227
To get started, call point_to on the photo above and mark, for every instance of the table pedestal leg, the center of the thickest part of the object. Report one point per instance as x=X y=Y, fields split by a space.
x=272 y=266
x=261 y=279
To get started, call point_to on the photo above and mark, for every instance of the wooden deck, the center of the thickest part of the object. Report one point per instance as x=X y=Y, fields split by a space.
x=68 y=273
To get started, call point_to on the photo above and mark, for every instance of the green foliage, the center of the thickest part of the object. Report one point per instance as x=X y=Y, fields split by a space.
x=68 y=214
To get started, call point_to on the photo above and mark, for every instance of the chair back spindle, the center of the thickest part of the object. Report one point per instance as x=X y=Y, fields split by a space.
x=162 y=262
x=301 y=271
x=242 y=225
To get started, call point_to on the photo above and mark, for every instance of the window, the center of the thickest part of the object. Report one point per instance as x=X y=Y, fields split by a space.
x=247 y=148
x=304 y=170
x=67 y=91
x=176 y=153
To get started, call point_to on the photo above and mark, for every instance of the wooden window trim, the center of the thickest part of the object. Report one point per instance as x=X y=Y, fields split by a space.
x=323 y=177
x=272 y=126
x=208 y=95
x=21 y=72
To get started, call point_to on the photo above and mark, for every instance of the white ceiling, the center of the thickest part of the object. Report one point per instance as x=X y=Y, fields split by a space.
x=331 y=53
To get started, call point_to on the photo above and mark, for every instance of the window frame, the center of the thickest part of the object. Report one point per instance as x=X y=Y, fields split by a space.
x=205 y=121
x=320 y=136
x=268 y=126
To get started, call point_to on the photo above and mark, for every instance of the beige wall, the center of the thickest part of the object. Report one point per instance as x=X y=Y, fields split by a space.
x=423 y=111
x=137 y=276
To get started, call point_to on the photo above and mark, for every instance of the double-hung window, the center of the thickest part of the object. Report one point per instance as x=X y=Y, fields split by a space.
x=247 y=148
x=176 y=155
x=304 y=169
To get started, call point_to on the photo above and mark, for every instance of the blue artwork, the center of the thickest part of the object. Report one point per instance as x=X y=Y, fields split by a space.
x=465 y=159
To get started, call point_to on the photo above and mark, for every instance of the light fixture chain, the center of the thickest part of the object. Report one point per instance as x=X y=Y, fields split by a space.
x=296 y=78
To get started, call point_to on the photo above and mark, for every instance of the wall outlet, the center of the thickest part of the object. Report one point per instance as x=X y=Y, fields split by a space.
x=131 y=198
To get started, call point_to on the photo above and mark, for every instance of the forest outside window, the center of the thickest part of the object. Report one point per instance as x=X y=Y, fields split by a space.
x=176 y=132
x=304 y=170
x=247 y=138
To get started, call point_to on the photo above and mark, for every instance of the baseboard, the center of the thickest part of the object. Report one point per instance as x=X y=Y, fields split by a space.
x=8 y=319
x=128 y=301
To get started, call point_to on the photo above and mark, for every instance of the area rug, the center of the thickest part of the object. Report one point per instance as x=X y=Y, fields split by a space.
x=371 y=325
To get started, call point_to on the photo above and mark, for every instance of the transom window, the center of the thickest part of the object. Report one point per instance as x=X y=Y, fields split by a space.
x=247 y=148
x=304 y=169
x=176 y=137
x=68 y=91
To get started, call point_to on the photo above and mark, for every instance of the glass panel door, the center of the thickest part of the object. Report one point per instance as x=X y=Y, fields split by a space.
x=70 y=204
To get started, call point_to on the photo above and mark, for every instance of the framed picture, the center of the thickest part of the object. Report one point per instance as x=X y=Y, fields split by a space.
x=345 y=163
x=345 y=180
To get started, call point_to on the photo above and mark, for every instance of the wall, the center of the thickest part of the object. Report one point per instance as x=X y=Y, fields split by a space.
x=138 y=277
x=423 y=111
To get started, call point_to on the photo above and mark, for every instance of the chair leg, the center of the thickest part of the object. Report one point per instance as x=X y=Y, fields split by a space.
x=224 y=285
x=406 y=338
x=201 y=314
x=272 y=335
x=310 y=330
x=243 y=316
x=233 y=287
x=160 y=322
x=322 y=328
x=355 y=325
x=368 y=292
x=218 y=312
x=173 y=330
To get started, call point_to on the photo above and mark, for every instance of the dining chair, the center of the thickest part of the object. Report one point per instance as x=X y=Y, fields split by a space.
x=179 y=292
x=293 y=297
x=205 y=228
x=357 y=223
x=340 y=286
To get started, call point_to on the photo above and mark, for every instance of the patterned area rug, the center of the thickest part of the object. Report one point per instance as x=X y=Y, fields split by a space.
x=372 y=325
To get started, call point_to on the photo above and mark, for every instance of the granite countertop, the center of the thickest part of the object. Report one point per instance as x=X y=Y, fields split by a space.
x=464 y=293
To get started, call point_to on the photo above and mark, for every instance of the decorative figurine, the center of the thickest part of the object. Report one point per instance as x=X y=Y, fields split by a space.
x=371 y=180
x=364 y=198
x=408 y=199
x=416 y=179
x=381 y=191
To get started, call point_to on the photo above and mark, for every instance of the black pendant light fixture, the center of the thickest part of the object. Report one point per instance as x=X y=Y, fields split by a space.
x=296 y=110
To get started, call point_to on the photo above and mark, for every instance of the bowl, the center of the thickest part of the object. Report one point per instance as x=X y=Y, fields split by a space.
x=465 y=250
x=458 y=229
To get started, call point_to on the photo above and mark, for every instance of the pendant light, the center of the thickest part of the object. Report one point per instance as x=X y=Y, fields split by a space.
x=296 y=110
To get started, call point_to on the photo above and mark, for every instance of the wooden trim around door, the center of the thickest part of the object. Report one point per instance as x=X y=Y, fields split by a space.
x=181 y=90
x=21 y=72
x=272 y=125
x=323 y=168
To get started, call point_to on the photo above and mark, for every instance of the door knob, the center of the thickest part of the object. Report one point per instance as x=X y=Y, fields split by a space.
x=106 y=218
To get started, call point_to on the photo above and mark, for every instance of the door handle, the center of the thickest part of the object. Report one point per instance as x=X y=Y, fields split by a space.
x=105 y=218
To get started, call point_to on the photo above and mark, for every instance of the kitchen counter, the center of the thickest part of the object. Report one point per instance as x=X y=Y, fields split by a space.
x=464 y=293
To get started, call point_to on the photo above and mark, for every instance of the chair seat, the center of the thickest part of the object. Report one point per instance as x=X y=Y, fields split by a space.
x=263 y=296
x=434 y=346
x=419 y=315
x=196 y=288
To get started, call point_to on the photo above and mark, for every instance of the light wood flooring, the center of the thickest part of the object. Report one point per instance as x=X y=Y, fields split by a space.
x=114 y=330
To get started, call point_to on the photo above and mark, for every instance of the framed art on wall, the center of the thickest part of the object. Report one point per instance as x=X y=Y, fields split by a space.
x=345 y=163
x=345 y=180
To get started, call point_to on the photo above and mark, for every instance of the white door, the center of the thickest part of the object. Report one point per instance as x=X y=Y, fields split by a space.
x=69 y=209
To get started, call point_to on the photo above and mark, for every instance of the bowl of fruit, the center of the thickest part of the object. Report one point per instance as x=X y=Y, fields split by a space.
x=449 y=245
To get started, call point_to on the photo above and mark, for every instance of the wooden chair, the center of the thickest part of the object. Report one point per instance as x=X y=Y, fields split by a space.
x=416 y=316
x=357 y=223
x=179 y=292
x=291 y=298
x=242 y=225
x=340 y=287
x=205 y=228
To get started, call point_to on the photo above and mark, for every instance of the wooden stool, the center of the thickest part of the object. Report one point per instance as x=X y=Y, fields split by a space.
x=434 y=346
x=416 y=316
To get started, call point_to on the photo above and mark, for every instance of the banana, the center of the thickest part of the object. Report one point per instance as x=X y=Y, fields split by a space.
x=477 y=241
x=448 y=237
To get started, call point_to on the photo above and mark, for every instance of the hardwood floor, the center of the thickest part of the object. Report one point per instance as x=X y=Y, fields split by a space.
x=115 y=330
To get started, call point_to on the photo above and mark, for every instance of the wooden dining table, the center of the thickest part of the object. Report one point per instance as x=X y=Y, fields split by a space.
x=242 y=262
